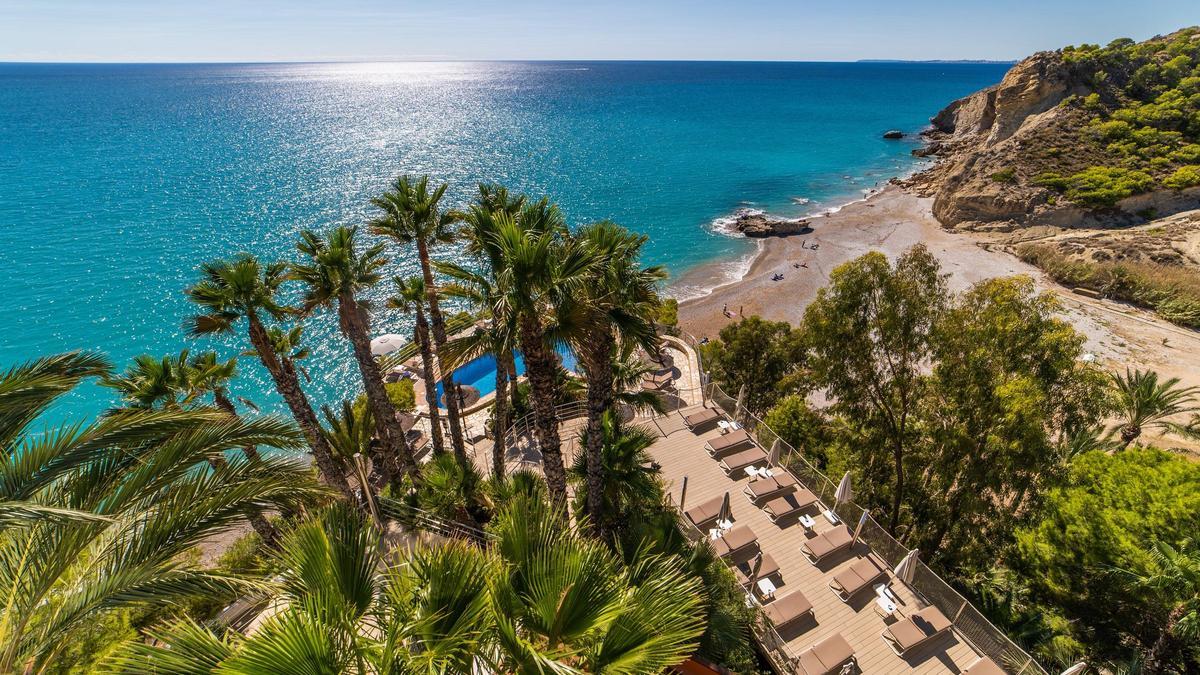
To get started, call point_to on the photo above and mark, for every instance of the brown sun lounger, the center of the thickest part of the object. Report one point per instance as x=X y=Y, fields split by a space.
x=768 y=568
x=723 y=445
x=788 y=505
x=984 y=666
x=914 y=631
x=701 y=418
x=705 y=513
x=657 y=381
x=740 y=460
x=824 y=544
x=861 y=574
x=827 y=656
x=738 y=539
x=765 y=488
x=787 y=608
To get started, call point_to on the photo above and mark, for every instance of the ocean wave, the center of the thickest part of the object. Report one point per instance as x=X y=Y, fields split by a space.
x=718 y=274
x=800 y=201
x=726 y=225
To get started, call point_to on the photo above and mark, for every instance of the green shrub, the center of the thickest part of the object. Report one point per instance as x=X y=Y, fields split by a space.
x=1052 y=180
x=1103 y=186
x=401 y=394
x=1008 y=175
x=1184 y=177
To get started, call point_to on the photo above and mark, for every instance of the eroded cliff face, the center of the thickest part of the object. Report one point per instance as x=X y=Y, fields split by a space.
x=992 y=144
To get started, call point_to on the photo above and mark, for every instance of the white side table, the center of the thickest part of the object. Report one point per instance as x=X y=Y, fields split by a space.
x=808 y=522
x=766 y=589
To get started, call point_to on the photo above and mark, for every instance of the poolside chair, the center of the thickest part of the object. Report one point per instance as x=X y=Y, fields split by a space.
x=706 y=513
x=984 y=666
x=730 y=442
x=740 y=538
x=826 y=544
x=701 y=418
x=914 y=631
x=788 y=505
x=657 y=381
x=788 y=608
x=768 y=568
x=856 y=577
x=740 y=460
x=765 y=488
x=827 y=656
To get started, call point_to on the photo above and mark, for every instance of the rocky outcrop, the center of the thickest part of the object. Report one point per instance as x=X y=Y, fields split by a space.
x=758 y=224
x=893 y=134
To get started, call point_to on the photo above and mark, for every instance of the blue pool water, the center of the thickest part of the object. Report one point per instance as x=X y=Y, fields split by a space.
x=117 y=181
x=481 y=372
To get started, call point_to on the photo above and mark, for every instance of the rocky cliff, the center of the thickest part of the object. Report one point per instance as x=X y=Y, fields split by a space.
x=1073 y=138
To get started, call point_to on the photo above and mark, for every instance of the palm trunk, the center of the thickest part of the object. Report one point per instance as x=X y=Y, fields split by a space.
x=427 y=373
x=598 y=364
x=540 y=368
x=283 y=373
x=500 y=419
x=395 y=455
x=449 y=388
x=266 y=531
x=1154 y=658
x=1129 y=434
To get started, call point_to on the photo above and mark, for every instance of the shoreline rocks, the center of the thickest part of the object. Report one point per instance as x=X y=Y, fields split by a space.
x=758 y=224
x=893 y=134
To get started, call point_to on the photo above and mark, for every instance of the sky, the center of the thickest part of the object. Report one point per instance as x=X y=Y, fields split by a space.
x=370 y=30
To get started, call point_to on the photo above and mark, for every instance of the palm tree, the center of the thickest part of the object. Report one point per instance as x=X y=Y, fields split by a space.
x=232 y=290
x=540 y=598
x=631 y=481
x=1142 y=401
x=410 y=299
x=97 y=516
x=335 y=274
x=629 y=371
x=616 y=309
x=537 y=267
x=412 y=215
x=1174 y=577
x=175 y=383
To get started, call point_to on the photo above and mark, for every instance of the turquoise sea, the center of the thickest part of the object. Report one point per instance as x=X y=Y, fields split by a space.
x=116 y=181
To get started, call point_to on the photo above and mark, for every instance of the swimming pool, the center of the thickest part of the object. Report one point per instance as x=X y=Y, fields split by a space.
x=480 y=372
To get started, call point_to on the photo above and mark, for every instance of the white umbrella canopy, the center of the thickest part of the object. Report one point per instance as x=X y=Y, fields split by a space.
x=907 y=567
x=386 y=344
x=776 y=450
x=844 y=492
x=1075 y=669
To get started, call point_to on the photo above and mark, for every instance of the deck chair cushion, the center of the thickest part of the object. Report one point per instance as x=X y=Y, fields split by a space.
x=787 y=608
x=984 y=666
x=827 y=656
x=768 y=568
x=740 y=460
x=856 y=577
x=701 y=418
x=916 y=630
x=767 y=487
x=824 y=544
x=706 y=512
x=731 y=441
x=788 y=505
x=737 y=539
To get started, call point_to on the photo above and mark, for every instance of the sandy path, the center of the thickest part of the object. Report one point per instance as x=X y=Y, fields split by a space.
x=892 y=221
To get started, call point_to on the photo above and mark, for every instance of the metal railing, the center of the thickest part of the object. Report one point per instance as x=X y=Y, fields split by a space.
x=970 y=623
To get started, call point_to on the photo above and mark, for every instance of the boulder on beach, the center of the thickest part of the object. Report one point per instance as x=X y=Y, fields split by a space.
x=758 y=224
x=893 y=133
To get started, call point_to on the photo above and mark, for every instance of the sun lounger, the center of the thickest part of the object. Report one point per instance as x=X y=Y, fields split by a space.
x=788 y=608
x=723 y=445
x=736 y=540
x=705 y=513
x=657 y=381
x=914 y=631
x=765 y=488
x=856 y=577
x=788 y=505
x=827 y=656
x=701 y=418
x=984 y=666
x=740 y=460
x=825 y=544
x=768 y=568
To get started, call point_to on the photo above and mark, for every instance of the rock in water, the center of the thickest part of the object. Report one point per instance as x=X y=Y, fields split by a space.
x=893 y=134
x=758 y=224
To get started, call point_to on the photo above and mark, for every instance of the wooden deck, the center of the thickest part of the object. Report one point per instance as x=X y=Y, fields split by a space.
x=681 y=453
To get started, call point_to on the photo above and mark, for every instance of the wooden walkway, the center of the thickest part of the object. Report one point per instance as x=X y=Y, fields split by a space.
x=681 y=453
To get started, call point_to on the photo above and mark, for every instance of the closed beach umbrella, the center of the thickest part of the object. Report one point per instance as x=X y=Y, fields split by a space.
x=726 y=513
x=907 y=567
x=1075 y=669
x=740 y=409
x=758 y=559
x=776 y=448
x=386 y=344
x=683 y=493
x=844 y=492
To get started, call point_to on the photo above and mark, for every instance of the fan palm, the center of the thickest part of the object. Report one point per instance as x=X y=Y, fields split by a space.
x=176 y=383
x=95 y=516
x=631 y=481
x=629 y=371
x=410 y=299
x=412 y=214
x=615 y=309
x=1173 y=577
x=1142 y=401
x=335 y=274
x=232 y=290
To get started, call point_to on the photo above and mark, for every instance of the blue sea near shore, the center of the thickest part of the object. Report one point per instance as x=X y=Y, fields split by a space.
x=116 y=181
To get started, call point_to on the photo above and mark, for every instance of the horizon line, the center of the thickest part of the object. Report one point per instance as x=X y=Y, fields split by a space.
x=448 y=60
